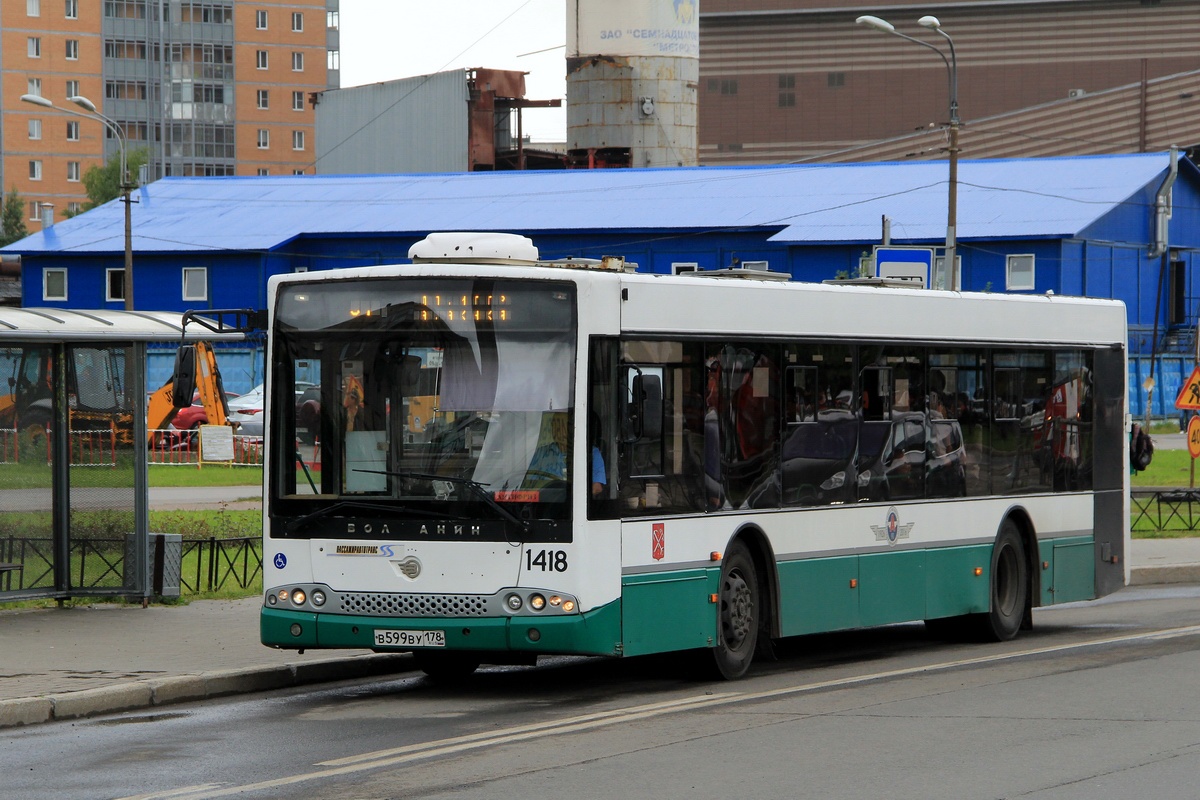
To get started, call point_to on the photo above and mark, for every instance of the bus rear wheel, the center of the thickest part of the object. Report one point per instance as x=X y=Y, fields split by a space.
x=446 y=667
x=1010 y=586
x=738 y=620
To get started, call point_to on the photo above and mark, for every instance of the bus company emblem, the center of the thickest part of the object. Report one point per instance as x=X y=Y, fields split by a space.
x=409 y=567
x=893 y=530
x=658 y=541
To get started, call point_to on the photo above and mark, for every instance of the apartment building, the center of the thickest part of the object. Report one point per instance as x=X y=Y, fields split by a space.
x=209 y=87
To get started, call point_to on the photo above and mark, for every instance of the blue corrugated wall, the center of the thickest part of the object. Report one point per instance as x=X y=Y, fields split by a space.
x=1172 y=371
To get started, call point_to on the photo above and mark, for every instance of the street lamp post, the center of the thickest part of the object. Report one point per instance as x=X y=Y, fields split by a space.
x=126 y=186
x=952 y=70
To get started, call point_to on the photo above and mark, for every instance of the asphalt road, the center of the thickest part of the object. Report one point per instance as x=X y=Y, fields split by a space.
x=1097 y=702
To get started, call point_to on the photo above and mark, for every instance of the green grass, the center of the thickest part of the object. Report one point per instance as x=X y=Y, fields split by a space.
x=38 y=476
x=211 y=475
x=1169 y=468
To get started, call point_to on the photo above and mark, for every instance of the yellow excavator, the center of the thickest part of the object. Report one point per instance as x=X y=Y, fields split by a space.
x=196 y=373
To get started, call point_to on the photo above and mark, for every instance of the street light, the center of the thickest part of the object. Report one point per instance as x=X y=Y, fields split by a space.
x=951 y=63
x=126 y=186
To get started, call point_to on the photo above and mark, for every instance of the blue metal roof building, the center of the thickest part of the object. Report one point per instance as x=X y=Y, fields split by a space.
x=1089 y=223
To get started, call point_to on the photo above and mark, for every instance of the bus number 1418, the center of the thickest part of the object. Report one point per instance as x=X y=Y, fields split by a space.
x=546 y=560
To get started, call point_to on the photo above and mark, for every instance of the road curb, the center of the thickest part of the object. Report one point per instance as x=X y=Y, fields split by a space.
x=189 y=688
x=1178 y=573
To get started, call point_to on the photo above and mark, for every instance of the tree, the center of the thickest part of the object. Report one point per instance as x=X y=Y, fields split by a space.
x=104 y=183
x=12 y=219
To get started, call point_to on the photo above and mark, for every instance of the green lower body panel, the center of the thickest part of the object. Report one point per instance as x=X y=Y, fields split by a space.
x=818 y=594
x=1068 y=569
x=891 y=587
x=952 y=587
x=830 y=594
x=596 y=632
x=669 y=611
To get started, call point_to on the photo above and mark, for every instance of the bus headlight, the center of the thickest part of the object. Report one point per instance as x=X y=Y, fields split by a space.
x=317 y=598
x=298 y=597
x=514 y=602
x=537 y=602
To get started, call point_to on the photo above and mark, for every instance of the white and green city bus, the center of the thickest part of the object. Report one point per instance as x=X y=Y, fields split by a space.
x=506 y=458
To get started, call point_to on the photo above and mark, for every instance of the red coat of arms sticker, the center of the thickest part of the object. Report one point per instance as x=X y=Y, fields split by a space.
x=658 y=541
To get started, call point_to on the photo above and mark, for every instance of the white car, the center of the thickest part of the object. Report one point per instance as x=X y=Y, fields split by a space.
x=252 y=399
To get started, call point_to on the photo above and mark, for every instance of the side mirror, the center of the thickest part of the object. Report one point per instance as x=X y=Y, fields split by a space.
x=649 y=389
x=184 y=380
x=643 y=415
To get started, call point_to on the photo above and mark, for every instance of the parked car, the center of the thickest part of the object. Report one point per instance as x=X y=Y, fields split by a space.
x=193 y=416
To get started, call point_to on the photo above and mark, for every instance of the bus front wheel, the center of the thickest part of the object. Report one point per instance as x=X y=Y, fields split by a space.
x=738 y=620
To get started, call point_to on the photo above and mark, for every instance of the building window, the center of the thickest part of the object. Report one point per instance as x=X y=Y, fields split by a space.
x=787 y=94
x=260 y=20
x=34 y=44
x=72 y=89
x=35 y=129
x=1020 y=272
x=72 y=131
x=297 y=62
x=938 y=279
x=297 y=140
x=297 y=101
x=681 y=267
x=34 y=210
x=33 y=8
x=260 y=59
x=72 y=49
x=72 y=9
x=297 y=21
x=114 y=284
x=334 y=60
x=35 y=171
x=34 y=85
x=54 y=284
x=263 y=172
x=298 y=172
x=729 y=86
x=73 y=171
x=264 y=99
x=195 y=283
x=264 y=138
x=835 y=80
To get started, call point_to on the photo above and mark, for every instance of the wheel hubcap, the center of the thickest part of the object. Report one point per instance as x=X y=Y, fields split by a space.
x=737 y=611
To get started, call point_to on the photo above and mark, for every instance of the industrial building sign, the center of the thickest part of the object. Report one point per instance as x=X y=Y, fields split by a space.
x=669 y=28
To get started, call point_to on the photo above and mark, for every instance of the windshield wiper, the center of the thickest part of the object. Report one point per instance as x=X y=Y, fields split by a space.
x=475 y=486
x=359 y=505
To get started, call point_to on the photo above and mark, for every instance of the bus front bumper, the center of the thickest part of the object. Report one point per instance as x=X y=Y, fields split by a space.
x=596 y=632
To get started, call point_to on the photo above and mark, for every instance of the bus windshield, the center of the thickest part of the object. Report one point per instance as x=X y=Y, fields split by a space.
x=424 y=399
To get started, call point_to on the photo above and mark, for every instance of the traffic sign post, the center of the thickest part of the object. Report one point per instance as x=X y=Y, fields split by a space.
x=1189 y=393
x=1189 y=400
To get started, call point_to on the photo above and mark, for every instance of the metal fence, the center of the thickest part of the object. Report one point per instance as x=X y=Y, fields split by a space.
x=91 y=448
x=1165 y=510
x=182 y=448
x=101 y=565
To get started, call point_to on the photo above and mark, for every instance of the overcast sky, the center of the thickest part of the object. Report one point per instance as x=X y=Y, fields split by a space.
x=382 y=40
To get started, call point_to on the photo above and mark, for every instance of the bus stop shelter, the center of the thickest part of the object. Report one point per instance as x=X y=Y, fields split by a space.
x=73 y=507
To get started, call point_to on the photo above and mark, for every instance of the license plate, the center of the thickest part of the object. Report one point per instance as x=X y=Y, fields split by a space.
x=394 y=638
